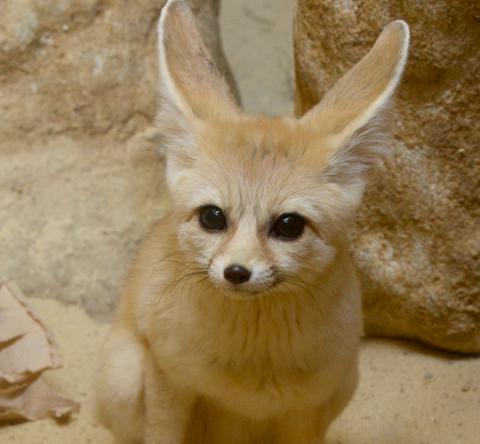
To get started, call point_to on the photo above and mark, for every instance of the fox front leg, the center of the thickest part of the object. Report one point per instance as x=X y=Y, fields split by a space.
x=303 y=427
x=310 y=426
x=167 y=409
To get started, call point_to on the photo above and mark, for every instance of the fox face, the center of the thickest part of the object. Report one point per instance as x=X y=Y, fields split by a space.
x=263 y=204
x=252 y=210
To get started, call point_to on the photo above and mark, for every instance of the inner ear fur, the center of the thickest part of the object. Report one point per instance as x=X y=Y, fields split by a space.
x=351 y=117
x=189 y=77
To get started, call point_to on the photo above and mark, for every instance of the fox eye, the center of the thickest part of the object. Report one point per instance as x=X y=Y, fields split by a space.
x=288 y=226
x=211 y=218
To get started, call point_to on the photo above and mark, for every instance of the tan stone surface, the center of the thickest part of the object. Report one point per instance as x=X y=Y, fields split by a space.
x=417 y=240
x=78 y=184
x=257 y=37
x=407 y=394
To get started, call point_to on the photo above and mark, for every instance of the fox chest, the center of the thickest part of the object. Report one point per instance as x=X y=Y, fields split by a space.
x=257 y=373
x=261 y=390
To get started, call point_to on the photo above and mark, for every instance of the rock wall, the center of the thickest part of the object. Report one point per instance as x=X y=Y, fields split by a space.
x=79 y=182
x=417 y=239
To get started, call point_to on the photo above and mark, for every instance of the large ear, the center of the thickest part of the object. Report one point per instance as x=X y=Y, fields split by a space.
x=350 y=115
x=192 y=89
x=189 y=77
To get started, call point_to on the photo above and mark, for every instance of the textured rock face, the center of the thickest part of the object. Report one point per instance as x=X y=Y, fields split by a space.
x=417 y=239
x=78 y=184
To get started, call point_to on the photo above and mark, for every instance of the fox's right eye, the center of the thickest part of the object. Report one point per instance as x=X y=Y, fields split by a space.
x=211 y=218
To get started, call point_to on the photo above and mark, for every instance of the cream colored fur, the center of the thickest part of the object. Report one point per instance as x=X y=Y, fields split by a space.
x=191 y=359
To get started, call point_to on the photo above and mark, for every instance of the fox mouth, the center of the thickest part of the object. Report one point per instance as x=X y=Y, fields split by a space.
x=279 y=284
x=246 y=290
x=243 y=293
x=273 y=282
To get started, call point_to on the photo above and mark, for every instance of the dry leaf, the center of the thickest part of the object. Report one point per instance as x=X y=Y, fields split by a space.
x=27 y=349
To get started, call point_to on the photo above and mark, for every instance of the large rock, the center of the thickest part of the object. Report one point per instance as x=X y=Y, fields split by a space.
x=417 y=240
x=78 y=184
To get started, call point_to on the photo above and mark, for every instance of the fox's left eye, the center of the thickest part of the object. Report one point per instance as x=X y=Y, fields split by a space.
x=288 y=226
x=211 y=218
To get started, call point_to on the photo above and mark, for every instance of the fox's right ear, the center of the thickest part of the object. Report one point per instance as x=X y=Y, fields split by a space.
x=192 y=89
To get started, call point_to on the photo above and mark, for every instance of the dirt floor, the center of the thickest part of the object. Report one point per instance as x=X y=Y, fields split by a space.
x=407 y=395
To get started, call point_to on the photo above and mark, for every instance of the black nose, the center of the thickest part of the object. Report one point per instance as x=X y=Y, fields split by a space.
x=236 y=274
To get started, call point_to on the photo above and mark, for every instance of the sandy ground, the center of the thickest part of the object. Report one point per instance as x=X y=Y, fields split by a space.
x=407 y=394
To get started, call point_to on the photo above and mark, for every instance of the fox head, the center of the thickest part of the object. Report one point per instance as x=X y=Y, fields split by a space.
x=263 y=203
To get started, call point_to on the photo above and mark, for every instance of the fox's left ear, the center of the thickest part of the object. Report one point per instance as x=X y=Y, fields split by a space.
x=349 y=116
x=192 y=89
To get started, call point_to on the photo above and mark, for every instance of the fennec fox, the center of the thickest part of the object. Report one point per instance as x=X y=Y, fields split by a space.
x=240 y=320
